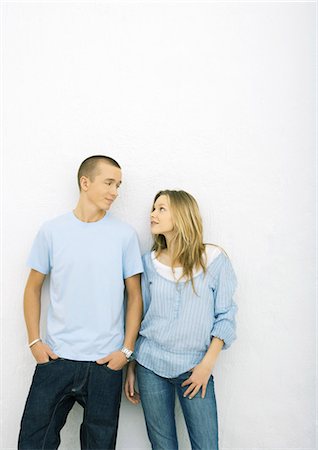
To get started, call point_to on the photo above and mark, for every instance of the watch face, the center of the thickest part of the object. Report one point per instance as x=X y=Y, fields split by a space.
x=127 y=352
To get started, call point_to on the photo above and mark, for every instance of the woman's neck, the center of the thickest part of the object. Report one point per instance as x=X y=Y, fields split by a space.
x=165 y=257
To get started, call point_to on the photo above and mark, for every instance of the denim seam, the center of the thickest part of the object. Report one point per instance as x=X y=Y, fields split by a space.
x=51 y=419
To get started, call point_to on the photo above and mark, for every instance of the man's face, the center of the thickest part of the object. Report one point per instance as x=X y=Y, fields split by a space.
x=103 y=190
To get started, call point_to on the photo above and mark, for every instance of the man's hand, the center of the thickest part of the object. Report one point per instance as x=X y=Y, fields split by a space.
x=42 y=353
x=115 y=361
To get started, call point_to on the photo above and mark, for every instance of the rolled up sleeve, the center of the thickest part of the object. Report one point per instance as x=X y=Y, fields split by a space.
x=224 y=324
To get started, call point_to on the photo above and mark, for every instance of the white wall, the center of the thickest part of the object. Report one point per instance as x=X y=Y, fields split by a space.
x=215 y=98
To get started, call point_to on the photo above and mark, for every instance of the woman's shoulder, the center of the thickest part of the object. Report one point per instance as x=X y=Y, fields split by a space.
x=148 y=265
x=213 y=251
x=220 y=263
x=216 y=258
x=146 y=259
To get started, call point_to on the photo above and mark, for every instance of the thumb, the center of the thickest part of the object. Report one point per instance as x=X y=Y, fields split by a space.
x=49 y=352
x=131 y=388
x=52 y=355
x=104 y=360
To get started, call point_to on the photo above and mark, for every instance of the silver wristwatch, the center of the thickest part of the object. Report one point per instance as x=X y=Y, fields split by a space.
x=128 y=353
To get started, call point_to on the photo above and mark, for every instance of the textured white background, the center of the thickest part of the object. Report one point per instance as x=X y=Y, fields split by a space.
x=215 y=98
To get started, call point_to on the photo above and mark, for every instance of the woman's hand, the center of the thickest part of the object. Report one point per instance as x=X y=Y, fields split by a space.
x=131 y=394
x=199 y=379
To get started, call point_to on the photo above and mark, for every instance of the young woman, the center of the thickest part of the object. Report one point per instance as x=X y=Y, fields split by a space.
x=189 y=316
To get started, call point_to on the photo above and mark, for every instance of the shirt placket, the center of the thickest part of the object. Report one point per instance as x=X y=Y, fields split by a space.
x=177 y=304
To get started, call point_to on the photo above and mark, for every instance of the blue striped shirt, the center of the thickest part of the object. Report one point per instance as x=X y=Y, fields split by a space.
x=178 y=323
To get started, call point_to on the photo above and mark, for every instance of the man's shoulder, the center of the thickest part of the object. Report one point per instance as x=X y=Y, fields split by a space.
x=58 y=221
x=56 y=225
x=121 y=226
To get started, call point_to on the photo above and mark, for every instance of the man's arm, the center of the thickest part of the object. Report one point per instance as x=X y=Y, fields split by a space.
x=117 y=359
x=32 y=312
x=134 y=311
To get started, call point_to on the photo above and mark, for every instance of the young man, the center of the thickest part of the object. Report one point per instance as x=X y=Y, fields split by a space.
x=91 y=258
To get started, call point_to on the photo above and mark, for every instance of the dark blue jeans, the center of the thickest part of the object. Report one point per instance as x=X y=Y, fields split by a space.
x=158 y=401
x=56 y=386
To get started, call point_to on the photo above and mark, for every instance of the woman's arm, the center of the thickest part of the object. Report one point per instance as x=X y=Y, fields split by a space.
x=202 y=372
x=131 y=394
x=223 y=329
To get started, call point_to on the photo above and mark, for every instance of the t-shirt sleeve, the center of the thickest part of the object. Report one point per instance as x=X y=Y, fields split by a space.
x=132 y=263
x=39 y=257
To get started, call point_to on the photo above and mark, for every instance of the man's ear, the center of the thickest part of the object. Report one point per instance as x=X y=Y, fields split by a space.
x=84 y=182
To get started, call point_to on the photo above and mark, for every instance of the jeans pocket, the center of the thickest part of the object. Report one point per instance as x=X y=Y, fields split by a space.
x=105 y=366
x=49 y=363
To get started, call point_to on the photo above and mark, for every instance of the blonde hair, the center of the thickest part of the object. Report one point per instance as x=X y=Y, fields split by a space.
x=187 y=242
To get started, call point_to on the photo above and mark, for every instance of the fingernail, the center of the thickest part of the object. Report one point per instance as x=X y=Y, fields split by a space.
x=190 y=398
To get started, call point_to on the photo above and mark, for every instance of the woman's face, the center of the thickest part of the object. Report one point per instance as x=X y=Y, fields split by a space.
x=161 y=217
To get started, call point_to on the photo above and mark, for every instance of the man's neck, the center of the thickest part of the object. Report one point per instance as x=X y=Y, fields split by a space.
x=87 y=214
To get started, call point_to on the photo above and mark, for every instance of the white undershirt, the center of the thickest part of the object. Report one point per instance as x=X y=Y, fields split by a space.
x=166 y=271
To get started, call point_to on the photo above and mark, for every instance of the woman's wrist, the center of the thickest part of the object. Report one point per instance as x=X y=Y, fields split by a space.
x=207 y=364
x=131 y=366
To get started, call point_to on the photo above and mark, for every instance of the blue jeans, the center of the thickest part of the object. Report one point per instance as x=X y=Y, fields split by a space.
x=158 y=401
x=56 y=386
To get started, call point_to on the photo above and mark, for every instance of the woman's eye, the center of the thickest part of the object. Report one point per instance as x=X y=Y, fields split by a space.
x=162 y=209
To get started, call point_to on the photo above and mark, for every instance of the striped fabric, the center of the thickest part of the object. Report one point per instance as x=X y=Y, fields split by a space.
x=178 y=323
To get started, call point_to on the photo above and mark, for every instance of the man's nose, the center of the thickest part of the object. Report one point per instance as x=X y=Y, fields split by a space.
x=114 y=192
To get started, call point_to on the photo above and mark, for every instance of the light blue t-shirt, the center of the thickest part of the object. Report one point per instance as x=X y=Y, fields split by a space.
x=88 y=263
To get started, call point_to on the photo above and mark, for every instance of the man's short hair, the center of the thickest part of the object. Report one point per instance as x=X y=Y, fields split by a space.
x=89 y=167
